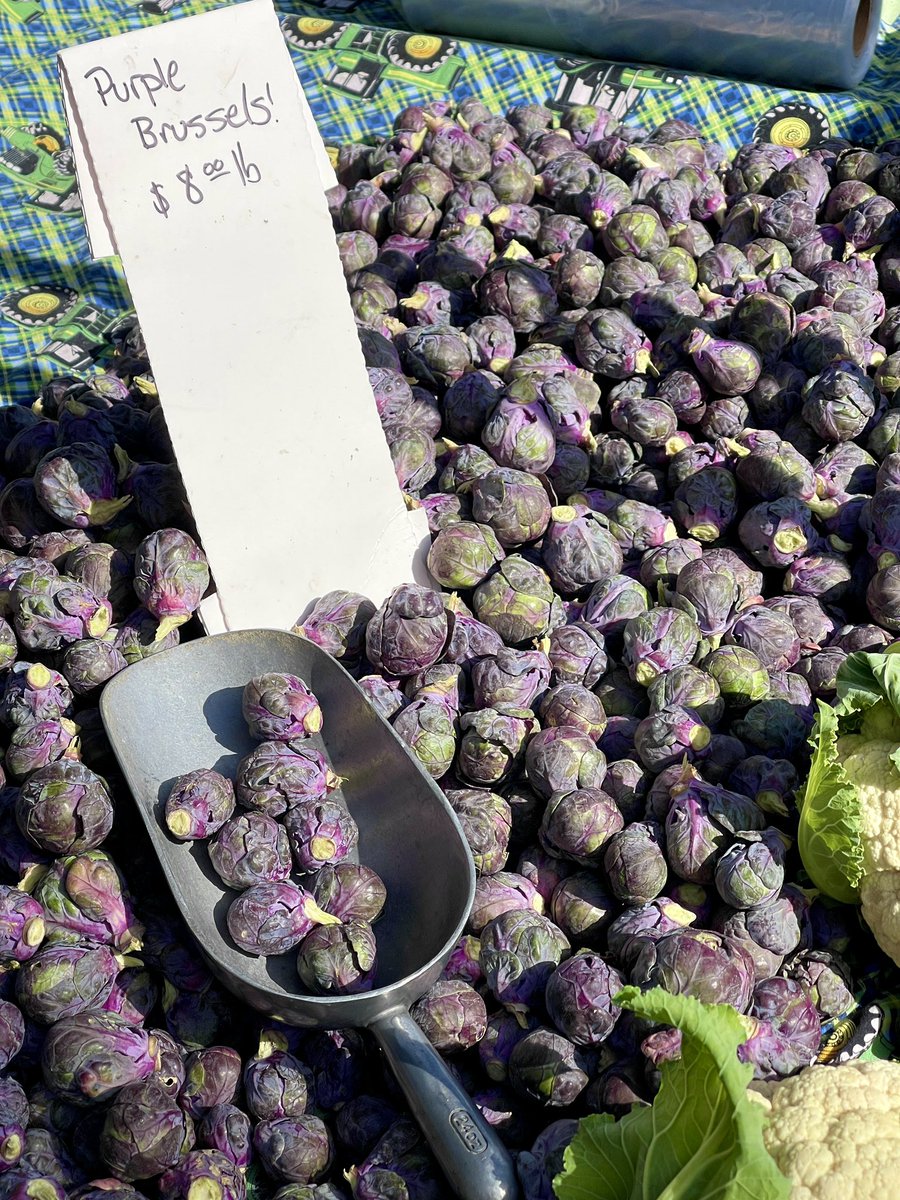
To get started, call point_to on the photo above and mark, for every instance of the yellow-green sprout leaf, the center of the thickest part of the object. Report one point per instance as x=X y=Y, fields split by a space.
x=701 y=1139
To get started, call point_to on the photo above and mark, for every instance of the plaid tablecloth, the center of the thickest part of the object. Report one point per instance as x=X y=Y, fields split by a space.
x=359 y=66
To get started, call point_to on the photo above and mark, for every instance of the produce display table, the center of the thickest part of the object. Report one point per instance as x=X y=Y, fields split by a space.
x=358 y=66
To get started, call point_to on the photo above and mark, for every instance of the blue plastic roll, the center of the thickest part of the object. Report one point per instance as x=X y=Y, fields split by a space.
x=818 y=45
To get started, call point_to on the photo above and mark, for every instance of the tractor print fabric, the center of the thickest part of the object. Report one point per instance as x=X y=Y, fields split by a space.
x=358 y=66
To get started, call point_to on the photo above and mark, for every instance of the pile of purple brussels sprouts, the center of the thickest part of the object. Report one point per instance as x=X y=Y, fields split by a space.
x=290 y=823
x=649 y=401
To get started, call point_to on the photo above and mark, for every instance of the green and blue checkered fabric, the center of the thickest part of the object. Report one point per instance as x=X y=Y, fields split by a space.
x=359 y=66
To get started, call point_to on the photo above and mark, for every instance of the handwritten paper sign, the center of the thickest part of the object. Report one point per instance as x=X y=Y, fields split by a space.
x=206 y=181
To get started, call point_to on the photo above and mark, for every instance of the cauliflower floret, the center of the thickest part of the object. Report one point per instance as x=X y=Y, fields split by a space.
x=877 y=782
x=834 y=1131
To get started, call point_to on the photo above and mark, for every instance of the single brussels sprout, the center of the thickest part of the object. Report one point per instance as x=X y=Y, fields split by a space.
x=22 y=926
x=280 y=708
x=826 y=979
x=199 y=1170
x=658 y=641
x=729 y=367
x=626 y=782
x=321 y=832
x=559 y=758
x=84 y=897
x=751 y=871
x=88 y=664
x=700 y=823
x=144 y=1131
x=49 y=613
x=577 y=655
x=276 y=1084
x=517 y=601
x=212 y=1076
x=463 y=963
x=463 y=554
x=547 y=1067
x=64 y=808
x=839 y=403
x=519 y=951
x=64 y=981
x=199 y=804
x=408 y=632
x=609 y=343
x=613 y=602
x=670 y=735
x=634 y=863
x=77 y=485
x=385 y=695
x=272 y=918
x=93 y=1055
x=337 y=623
x=706 y=504
x=513 y=503
x=350 y=891
x=275 y=775
x=12 y=1034
x=294 y=1149
x=767 y=634
x=251 y=848
x=739 y=673
x=486 y=821
x=579 y=998
x=711 y=968
x=785 y=1030
x=689 y=687
x=135 y=637
x=510 y=678
x=502 y=892
x=171 y=576
x=518 y=291
x=578 y=824
x=452 y=1016
x=493 y=743
x=429 y=728
x=582 y=908
x=338 y=959
x=575 y=707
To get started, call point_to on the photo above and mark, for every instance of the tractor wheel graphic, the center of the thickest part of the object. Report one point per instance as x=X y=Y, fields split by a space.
x=312 y=33
x=798 y=125
x=421 y=52
x=36 y=305
x=64 y=161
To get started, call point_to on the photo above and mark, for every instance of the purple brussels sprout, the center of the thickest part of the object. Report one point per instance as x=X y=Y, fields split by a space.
x=514 y=503
x=337 y=623
x=464 y=961
x=635 y=229
x=203 y=1172
x=706 y=504
x=770 y=782
x=280 y=708
x=657 y=641
x=519 y=951
x=385 y=695
x=64 y=808
x=494 y=340
x=711 y=968
x=171 y=575
x=408 y=632
x=486 y=821
x=493 y=742
x=560 y=758
x=227 y=1129
x=840 y=402
x=338 y=959
x=276 y=1084
x=785 y=1030
x=50 y=612
x=452 y=1015
x=251 y=848
x=516 y=678
x=321 y=833
x=883 y=597
x=517 y=601
x=826 y=979
x=505 y=891
x=429 y=728
x=22 y=926
x=135 y=637
x=199 y=804
x=63 y=981
x=769 y=635
x=609 y=343
x=463 y=554
x=212 y=1076
x=546 y=1067
x=504 y=1031
x=578 y=550
x=350 y=892
x=577 y=655
x=578 y=824
x=634 y=863
x=626 y=782
x=544 y=871
x=92 y=1055
x=870 y=223
x=272 y=918
x=670 y=735
x=144 y=1131
x=751 y=871
x=613 y=602
x=573 y=706
x=88 y=664
x=76 y=484
x=83 y=896
x=579 y=998
x=582 y=908
x=12 y=1033
x=520 y=435
x=729 y=367
x=739 y=673
x=539 y=1166
x=275 y=775
x=34 y=746
x=689 y=687
x=518 y=291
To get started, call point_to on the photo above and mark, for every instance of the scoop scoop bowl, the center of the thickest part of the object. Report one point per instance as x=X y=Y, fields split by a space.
x=180 y=710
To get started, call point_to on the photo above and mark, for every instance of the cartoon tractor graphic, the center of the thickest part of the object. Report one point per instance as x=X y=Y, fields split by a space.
x=80 y=331
x=35 y=157
x=613 y=88
x=360 y=58
x=21 y=10
x=798 y=125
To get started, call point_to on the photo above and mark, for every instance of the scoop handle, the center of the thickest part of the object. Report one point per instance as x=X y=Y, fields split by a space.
x=475 y=1161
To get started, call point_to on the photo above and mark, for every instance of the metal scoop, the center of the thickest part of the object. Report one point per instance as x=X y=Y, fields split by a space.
x=181 y=710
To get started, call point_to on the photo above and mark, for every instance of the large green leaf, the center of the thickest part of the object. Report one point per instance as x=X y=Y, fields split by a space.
x=829 y=836
x=701 y=1139
x=863 y=679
